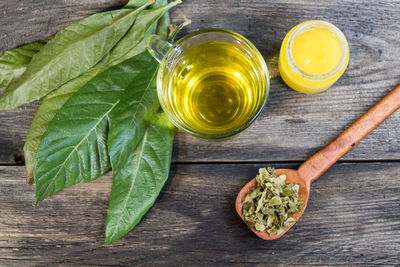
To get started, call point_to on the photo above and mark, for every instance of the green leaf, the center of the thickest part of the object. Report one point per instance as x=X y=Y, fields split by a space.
x=46 y=112
x=13 y=62
x=164 y=21
x=129 y=123
x=70 y=53
x=133 y=170
x=134 y=39
x=73 y=148
x=137 y=185
x=128 y=120
x=135 y=3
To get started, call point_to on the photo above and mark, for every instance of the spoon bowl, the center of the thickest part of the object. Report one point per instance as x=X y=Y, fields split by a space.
x=314 y=167
x=293 y=177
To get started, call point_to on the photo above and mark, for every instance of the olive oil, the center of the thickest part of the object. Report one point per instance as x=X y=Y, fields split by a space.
x=214 y=88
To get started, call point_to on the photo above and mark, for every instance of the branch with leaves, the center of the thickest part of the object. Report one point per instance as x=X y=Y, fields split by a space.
x=99 y=110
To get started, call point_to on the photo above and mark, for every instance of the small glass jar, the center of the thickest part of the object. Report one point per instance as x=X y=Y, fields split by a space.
x=313 y=56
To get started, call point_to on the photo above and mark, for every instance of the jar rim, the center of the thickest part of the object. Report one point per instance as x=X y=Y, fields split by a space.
x=301 y=29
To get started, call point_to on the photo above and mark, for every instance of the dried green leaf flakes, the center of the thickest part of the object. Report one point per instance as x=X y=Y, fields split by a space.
x=268 y=206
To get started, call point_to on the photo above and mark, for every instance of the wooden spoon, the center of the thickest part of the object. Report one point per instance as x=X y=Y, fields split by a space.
x=314 y=167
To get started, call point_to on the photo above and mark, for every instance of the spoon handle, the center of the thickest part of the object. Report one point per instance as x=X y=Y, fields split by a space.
x=321 y=161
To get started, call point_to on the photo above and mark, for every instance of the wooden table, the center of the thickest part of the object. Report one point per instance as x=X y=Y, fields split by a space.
x=353 y=215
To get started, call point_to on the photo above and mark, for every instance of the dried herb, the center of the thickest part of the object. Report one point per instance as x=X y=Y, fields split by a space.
x=268 y=206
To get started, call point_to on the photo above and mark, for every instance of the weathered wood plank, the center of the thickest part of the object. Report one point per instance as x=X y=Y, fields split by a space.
x=353 y=217
x=292 y=126
x=27 y=21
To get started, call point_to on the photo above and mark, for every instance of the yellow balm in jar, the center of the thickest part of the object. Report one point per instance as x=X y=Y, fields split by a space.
x=313 y=56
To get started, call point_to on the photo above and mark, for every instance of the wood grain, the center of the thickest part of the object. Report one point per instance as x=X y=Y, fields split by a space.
x=315 y=166
x=27 y=21
x=194 y=222
x=293 y=126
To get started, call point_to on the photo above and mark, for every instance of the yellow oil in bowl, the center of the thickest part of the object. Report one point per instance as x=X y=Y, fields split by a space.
x=313 y=56
x=215 y=88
